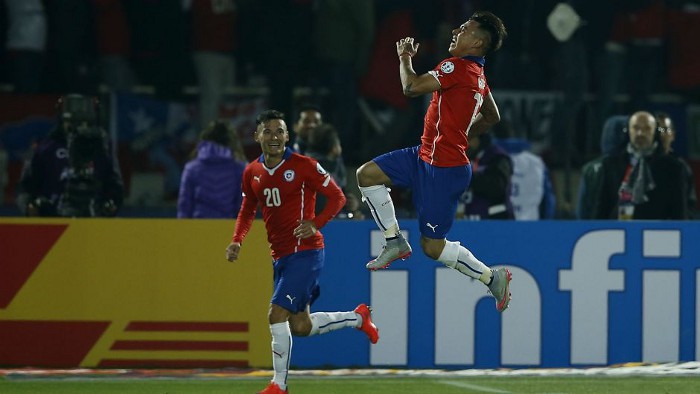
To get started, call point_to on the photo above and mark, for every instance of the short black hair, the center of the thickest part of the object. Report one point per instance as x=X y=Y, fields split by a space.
x=492 y=25
x=322 y=139
x=307 y=106
x=218 y=131
x=268 y=115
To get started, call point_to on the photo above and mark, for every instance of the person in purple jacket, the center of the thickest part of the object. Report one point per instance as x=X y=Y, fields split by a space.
x=211 y=182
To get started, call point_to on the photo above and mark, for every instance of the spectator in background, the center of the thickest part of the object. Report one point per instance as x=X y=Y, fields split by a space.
x=532 y=194
x=309 y=118
x=488 y=196
x=113 y=45
x=211 y=181
x=159 y=45
x=633 y=53
x=683 y=58
x=287 y=56
x=213 y=44
x=324 y=146
x=612 y=141
x=72 y=50
x=343 y=39
x=642 y=182
x=667 y=134
x=26 y=44
x=72 y=173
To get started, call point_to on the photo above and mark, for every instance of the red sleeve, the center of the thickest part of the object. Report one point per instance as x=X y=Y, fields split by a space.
x=247 y=213
x=336 y=202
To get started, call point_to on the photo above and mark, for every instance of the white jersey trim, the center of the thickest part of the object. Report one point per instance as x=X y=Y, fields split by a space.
x=272 y=170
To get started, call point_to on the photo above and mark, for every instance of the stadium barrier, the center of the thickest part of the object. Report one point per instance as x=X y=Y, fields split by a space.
x=159 y=293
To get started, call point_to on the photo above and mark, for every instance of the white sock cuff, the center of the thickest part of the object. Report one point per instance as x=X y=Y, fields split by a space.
x=365 y=190
x=280 y=328
x=450 y=253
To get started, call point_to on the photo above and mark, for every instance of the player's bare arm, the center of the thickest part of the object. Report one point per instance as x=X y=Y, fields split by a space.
x=487 y=116
x=413 y=84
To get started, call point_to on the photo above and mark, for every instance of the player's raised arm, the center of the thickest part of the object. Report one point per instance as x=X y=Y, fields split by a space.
x=413 y=84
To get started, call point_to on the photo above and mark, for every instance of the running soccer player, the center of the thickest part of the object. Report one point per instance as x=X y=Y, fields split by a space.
x=285 y=184
x=438 y=170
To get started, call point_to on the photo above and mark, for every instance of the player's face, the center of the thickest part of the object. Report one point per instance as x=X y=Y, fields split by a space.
x=666 y=133
x=272 y=135
x=463 y=39
x=308 y=120
x=641 y=130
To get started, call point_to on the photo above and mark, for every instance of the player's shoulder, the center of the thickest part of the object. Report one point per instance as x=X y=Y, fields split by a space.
x=308 y=165
x=303 y=160
x=448 y=65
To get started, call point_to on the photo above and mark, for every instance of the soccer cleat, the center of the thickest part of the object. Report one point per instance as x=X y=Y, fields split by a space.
x=273 y=388
x=367 y=326
x=500 y=287
x=395 y=248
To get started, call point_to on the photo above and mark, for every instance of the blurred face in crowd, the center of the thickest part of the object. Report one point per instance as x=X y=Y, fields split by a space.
x=467 y=38
x=667 y=133
x=272 y=136
x=308 y=120
x=642 y=126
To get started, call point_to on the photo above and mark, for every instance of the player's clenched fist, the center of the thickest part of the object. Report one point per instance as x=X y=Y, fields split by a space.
x=406 y=46
x=232 y=251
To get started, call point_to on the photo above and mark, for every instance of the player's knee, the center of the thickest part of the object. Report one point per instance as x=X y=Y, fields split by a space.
x=277 y=314
x=369 y=174
x=432 y=247
x=300 y=328
x=361 y=174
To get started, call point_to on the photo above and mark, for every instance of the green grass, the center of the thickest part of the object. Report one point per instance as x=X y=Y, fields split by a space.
x=365 y=385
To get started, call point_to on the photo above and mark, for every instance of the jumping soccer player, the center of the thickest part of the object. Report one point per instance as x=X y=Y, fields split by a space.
x=285 y=184
x=438 y=171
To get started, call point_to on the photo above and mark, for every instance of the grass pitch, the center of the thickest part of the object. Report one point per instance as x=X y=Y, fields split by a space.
x=364 y=385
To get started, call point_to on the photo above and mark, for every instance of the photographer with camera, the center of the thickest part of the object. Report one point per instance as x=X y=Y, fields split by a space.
x=72 y=173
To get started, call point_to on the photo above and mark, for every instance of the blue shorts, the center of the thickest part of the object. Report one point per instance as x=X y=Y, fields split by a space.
x=296 y=279
x=435 y=190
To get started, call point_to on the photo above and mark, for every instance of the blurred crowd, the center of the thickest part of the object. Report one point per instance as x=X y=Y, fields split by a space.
x=640 y=47
x=338 y=55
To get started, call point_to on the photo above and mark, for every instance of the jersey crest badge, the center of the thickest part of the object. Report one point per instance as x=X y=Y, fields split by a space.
x=482 y=83
x=289 y=175
x=447 y=67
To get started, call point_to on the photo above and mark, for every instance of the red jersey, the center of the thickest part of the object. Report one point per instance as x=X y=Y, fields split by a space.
x=287 y=194
x=452 y=110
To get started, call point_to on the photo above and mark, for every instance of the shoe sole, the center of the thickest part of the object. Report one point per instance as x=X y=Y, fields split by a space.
x=503 y=304
x=402 y=257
